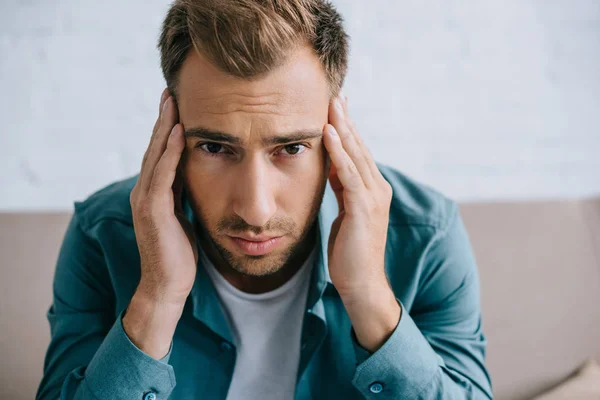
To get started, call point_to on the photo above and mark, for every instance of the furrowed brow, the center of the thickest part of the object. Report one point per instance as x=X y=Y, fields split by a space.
x=217 y=136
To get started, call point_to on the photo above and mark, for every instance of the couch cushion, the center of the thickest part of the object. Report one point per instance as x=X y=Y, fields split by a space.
x=29 y=245
x=585 y=385
x=540 y=289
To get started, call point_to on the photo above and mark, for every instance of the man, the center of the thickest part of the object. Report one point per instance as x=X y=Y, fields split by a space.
x=229 y=268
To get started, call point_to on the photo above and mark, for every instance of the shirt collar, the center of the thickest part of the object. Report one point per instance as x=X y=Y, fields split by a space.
x=206 y=307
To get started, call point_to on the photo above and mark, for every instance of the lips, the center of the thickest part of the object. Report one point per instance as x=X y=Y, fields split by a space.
x=256 y=247
x=259 y=238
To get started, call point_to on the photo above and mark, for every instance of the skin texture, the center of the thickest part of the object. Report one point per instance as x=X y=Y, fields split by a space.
x=252 y=188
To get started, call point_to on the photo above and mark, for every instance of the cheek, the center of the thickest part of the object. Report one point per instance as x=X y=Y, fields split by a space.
x=207 y=192
x=204 y=165
x=299 y=192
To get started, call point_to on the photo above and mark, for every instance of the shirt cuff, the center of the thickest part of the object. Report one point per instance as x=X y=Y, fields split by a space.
x=119 y=370
x=400 y=368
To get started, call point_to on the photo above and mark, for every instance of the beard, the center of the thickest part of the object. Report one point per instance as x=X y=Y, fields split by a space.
x=264 y=265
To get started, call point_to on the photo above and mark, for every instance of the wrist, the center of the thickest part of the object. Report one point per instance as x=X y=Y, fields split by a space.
x=367 y=293
x=374 y=316
x=150 y=323
x=162 y=294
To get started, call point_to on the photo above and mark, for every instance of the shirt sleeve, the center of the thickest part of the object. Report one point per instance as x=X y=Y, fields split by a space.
x=90 y=356
x=437 y=350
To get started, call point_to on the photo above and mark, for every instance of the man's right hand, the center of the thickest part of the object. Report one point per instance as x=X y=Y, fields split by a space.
x=165 y=239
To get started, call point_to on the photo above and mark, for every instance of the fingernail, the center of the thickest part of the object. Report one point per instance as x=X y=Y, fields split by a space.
x=339 y=105
x=166 y=102
x=331 y=130
x=164 y=95
x=174 y=130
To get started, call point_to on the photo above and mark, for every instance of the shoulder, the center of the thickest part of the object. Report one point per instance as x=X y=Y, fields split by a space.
x=109 y=202
x=429 y=256
x=417 y=204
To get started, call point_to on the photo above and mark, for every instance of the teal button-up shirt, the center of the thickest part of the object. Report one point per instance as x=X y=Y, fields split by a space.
x=437 y=350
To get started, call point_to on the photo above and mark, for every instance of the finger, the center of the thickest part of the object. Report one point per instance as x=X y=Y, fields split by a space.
x=338 y=120
x=166 y=167
x=367 y=154
x=178 y=188
x=157 y=147
x=336 y=186
x=163 y=98
x=347 y=172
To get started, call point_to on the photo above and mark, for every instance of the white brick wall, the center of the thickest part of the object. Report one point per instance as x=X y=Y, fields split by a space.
x=480 y=99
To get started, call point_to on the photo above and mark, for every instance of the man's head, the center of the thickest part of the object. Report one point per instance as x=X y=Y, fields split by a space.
x=253 y=80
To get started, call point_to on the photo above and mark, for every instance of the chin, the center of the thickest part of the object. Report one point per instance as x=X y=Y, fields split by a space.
x=256 y=269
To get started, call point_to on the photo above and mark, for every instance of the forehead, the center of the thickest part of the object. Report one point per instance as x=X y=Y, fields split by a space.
x=296 y=90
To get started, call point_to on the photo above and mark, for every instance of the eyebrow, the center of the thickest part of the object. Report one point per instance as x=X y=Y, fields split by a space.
x=217 y=136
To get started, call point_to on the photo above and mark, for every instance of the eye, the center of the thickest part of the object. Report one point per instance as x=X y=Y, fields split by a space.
x=294 y=149
x=212 y=149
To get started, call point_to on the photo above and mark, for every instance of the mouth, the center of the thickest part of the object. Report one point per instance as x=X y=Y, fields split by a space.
x=256 y=247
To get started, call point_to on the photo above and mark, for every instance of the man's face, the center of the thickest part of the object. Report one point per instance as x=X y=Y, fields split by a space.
x=244 y=184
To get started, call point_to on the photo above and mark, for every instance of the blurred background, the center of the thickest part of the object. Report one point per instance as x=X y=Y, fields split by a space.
x=494 y=103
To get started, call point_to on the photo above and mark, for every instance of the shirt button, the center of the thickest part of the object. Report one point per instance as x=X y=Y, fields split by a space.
x=376 y=387
x=225 y=346
x=150 y=396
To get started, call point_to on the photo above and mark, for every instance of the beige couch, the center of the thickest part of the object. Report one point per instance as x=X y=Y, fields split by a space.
x=540 y=283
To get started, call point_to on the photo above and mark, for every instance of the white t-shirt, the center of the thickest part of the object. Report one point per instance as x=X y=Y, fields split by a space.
x=266 y=328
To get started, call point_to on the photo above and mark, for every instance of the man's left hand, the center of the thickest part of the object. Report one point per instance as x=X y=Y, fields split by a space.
x=356 y=247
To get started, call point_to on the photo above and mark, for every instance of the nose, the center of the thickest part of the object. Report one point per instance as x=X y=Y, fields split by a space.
x=254 y=192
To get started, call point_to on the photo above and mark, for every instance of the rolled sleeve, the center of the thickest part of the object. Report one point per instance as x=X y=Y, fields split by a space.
x=400 y=368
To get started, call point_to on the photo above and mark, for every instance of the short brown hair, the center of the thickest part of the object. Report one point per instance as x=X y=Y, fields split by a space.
x=249 y=38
